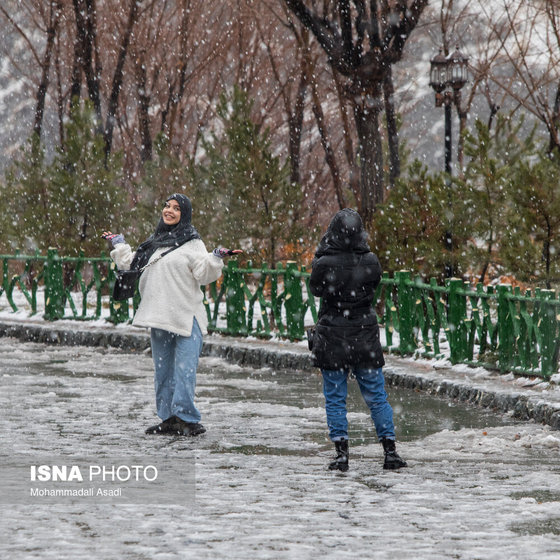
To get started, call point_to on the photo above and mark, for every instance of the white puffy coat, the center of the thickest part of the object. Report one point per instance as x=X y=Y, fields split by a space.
x=170 y=289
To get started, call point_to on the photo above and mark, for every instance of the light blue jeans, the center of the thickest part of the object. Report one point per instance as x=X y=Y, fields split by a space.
x=175 y=362
x=372 y=387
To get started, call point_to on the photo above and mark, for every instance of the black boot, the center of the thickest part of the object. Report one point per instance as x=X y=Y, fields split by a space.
x=341 y=461
x=392 y=458
x=182 y=428
x=165 y=427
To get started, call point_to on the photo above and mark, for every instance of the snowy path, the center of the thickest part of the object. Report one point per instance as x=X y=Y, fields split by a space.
x=488 y=491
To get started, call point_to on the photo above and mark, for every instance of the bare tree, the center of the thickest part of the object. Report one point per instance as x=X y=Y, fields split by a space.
x=529 y=33
x=362 y=42
x=54 y=15
x=87 y=51
x=50 y=17
x=326 y=142
x=293 y=83
x=117 y=80
x=143 y=106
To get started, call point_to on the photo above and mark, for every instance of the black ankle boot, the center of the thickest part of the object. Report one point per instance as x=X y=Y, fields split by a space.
x=392 y=458
x=165 y=427
x=182 y=428
x=341 y=461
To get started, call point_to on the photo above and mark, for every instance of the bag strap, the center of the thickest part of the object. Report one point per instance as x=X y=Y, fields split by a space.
x=157 y=259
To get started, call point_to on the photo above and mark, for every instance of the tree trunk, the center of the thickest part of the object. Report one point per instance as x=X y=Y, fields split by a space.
x=554 y=143
x=370 y=152
x=330 y=156
x=59 y=95
x=493 y=112
x=177 y=87
x=295 y=121
x=76 y=80
x=86 y=28
x=489 y=250
x=143 y=109
x=392 y=129
x=325 y=142
x=84 y=228
x=118 y=78
x=45 y=68
x=345 y=117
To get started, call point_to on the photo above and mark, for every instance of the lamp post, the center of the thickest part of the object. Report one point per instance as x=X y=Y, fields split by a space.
x=448 y=74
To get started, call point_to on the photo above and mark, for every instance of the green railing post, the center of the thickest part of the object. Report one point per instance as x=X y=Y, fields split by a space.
x=118 y=312
x=276 y=300
x=548 y=332
x=35 y=283
x=505 y=339
x=407 y=344
x=293 y=302
x=54 y=287
x=235 y=300
x=7 y=286
x=438 y=319
x=456 y=315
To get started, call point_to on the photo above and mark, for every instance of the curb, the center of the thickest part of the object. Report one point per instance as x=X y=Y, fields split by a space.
x=231 y=349
x=521 y=407
x=262 y=354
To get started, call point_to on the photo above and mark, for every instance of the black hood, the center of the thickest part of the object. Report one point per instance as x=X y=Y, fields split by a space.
x=345 y=234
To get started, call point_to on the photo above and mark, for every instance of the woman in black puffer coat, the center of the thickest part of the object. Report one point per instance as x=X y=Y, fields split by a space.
x=345 y=275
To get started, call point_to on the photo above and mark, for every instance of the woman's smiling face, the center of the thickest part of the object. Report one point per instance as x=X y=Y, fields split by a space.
x=171 y=213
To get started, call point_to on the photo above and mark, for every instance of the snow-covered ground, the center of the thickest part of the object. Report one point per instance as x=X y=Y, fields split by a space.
x=487 y=490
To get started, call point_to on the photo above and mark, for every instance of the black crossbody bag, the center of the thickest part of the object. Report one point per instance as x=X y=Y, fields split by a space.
x=126 y=281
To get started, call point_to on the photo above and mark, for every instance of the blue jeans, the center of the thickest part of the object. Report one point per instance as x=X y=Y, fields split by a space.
x=372 y=387
x=175 y=362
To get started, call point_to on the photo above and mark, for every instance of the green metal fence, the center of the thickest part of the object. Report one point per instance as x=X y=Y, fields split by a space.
x=74 y=287
x=500 y=327
x=495 y=327
x=261 y=301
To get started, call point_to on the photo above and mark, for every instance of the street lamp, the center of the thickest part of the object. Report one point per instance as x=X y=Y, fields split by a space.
x=448 y=74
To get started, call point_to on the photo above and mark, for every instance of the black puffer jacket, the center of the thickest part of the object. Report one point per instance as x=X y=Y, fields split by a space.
x=345 y=274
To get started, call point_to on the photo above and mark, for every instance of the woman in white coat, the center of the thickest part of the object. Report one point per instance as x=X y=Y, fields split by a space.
x=172 y=307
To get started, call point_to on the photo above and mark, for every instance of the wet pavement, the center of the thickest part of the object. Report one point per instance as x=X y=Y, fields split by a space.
x=479 y=484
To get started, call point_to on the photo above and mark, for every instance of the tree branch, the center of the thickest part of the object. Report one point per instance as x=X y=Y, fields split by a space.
x=118 y=77
x=23 y=35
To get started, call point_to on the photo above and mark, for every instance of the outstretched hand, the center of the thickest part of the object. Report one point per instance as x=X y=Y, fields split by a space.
x=223 y=252
x=233 y=252
x=113 y=238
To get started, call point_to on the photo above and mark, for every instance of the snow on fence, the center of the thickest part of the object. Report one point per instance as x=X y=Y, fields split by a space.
x=499 y=328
